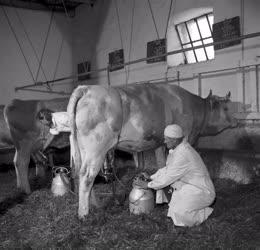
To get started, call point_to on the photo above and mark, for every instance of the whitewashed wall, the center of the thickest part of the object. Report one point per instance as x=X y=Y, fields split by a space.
x=107 y=39
x=13 y=69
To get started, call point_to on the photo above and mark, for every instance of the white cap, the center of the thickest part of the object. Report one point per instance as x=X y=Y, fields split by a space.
x=173 y=131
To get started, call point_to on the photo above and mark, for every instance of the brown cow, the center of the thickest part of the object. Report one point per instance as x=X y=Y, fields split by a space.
x=133 y=119
x=29 y=131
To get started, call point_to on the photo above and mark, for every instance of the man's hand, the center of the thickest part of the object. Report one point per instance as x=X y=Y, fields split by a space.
x=144 y=176
x=140 y=183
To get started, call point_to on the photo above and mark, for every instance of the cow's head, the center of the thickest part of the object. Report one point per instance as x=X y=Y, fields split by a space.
x=219 y=117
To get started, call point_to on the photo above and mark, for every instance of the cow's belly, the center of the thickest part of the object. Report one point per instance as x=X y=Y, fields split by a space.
x=140 y=136
x=137 y=146
x=147 y=109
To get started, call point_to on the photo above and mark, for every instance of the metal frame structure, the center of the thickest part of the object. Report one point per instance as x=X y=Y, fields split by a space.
x=74 y=77
x=46 y=5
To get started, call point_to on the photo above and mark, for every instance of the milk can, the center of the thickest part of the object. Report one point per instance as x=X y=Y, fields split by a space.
x=60 y=183
x=141 y=200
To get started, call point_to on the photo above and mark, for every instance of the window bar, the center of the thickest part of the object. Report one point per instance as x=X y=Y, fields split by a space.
x=247 y=36
x=191 y=41
x=198 y=17
x=201 y=38
x=176 y=28
x=207 y=16
x=198 y=40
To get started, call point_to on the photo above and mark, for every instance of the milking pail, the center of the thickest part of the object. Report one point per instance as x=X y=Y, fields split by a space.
x=141 y=200
x=60 y=183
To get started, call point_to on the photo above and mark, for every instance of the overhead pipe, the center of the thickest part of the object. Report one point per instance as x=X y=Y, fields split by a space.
x=172 y=79
x=252 y=35
x=48 y=91
x=73 y=77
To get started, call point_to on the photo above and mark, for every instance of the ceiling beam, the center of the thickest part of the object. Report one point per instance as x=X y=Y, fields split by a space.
x=46 y=5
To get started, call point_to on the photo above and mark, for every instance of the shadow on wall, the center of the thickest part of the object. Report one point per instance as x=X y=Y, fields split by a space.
x=85 y=45
x=55 y=64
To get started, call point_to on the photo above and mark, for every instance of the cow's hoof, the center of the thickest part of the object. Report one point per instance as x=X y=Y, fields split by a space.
x=82 y=214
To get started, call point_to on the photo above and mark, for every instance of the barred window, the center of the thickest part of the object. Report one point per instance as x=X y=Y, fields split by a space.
x=195 y=32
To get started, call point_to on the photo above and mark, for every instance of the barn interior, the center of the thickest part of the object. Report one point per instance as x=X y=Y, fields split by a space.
x=49 y=47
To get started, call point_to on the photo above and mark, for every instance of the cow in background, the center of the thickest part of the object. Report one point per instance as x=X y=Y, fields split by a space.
x=5 y=136
x=133 y=118
x=29 y=130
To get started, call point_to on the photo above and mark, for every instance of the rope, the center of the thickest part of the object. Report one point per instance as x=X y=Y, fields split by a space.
x=58 y=60
x=131 y=40
x=64 y=6
x=120 y=32
x=17 y=40
x=118 y=20
x=168 y=18
x=150 y=7
x=45 y=43
x=62 y=42
x=30 y=41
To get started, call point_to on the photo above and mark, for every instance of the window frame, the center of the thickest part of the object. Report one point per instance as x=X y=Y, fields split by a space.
x=191 y=42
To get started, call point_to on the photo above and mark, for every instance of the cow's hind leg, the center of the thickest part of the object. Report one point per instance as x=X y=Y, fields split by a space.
x=87 y=175
x=21 y=162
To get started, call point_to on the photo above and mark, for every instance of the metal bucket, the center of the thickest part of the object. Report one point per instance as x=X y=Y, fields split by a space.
x=60 y=183
x=141 y=200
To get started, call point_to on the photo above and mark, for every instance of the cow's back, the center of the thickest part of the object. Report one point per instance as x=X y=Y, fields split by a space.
x=22 y=117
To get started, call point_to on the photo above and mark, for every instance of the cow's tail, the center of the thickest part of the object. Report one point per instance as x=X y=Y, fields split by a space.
x=77 y=94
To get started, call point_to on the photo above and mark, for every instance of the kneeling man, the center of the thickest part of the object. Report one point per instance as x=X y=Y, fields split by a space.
x=187 y=175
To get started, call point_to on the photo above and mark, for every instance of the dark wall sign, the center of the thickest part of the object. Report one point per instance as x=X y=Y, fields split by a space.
x=227 y=29
x=116 y=60
x=156 y=48
x=83 y=68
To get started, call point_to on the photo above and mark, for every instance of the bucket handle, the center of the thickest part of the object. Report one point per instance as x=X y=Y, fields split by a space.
x=134 y=202
x=61 y=169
